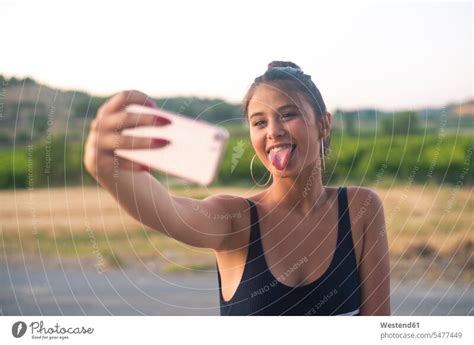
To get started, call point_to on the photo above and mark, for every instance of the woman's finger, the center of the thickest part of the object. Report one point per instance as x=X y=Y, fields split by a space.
x=119 y=101
x=106 y=142
x=122 y=120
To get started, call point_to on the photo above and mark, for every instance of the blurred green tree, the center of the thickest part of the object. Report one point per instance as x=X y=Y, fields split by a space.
x=404 y=123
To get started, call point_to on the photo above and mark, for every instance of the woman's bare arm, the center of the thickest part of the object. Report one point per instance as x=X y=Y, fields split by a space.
x=374 y=266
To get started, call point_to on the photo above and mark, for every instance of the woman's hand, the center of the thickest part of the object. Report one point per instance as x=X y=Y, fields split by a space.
x=105 y=135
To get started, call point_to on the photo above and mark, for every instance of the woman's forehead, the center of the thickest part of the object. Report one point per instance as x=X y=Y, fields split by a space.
x=272 y=98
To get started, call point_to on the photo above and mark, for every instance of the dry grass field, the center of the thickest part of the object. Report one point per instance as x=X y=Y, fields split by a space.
x=429 y=230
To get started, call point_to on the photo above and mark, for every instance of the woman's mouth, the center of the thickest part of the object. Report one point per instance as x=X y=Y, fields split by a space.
x=280 y=156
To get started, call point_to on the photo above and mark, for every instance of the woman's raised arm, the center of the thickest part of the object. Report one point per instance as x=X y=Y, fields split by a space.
x=201 y=223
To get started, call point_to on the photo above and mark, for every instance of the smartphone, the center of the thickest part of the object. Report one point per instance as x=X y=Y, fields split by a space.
x=195 y=151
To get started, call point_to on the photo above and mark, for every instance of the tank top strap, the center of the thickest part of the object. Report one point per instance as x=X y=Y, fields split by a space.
x=255 y=250
x=345 y=244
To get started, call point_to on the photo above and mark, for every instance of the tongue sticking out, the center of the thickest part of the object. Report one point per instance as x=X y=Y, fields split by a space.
x=280 y=159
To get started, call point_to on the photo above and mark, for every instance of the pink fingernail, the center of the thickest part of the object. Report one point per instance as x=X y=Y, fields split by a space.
x=159 y=142
x=158 y=120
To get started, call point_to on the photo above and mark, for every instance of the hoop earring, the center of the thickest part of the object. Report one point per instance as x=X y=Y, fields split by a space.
x=322 y=155
x=253 y=178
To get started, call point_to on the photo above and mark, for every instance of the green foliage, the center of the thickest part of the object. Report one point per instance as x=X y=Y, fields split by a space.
x=86 y=106
x=420 y=159
x=437 y=159
x=212 y=110
x=40 y=124
x=404 y=123
x=14 y=168
x=53 y=163
x=349 y=122
x=4 y=137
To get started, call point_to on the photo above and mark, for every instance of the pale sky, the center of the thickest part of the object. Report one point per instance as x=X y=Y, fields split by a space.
x=387 y=55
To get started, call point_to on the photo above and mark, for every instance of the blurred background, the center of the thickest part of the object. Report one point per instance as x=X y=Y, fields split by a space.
x=397 y=78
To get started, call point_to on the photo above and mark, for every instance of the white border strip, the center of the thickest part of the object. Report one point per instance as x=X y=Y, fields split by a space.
x=354 y=312
x=212 y=330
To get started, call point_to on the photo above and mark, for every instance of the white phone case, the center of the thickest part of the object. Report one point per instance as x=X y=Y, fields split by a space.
x=194 y=154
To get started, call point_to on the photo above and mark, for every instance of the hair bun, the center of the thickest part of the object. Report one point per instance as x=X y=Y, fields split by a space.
x=283 y=64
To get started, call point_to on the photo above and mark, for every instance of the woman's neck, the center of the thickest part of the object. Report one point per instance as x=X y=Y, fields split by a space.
x=302 y=194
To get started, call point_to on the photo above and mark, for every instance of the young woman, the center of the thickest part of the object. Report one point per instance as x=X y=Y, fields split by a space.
x=298 y=247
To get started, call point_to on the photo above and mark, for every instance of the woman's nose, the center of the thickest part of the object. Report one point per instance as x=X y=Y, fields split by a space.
x=275 y=129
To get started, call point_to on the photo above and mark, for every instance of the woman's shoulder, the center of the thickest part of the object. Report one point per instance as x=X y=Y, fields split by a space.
x=357 y=195
x=362 y=194
x=364 y=203
x=229 y=202
x=237 y=210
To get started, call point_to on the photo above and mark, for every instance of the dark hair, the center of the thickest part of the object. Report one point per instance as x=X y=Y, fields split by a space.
x=289 y=74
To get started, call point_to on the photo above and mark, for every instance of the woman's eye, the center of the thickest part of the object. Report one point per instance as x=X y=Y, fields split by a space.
x=285 y=116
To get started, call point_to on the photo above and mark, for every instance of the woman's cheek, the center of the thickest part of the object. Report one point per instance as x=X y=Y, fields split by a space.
x=259 y=145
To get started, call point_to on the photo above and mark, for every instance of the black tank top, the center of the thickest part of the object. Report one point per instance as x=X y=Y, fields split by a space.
x=336 y=292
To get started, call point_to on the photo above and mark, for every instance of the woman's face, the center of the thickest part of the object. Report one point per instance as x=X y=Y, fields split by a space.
x=280 y=117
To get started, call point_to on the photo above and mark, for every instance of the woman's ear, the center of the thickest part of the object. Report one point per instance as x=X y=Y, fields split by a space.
x=322 y=128
x=328 y=124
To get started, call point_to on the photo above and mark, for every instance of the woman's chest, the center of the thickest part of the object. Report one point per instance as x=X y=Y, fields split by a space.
x=299 y=250
x=296 y=250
